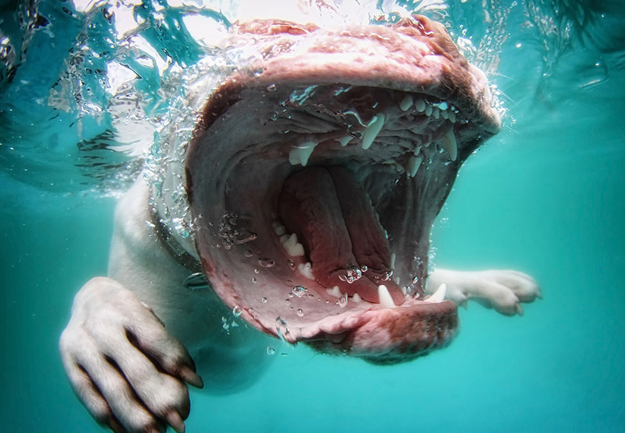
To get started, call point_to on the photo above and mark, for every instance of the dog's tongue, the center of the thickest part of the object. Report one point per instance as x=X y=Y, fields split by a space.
x=333 y=218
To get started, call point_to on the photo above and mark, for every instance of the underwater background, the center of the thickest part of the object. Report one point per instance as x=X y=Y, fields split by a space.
x=546 y=196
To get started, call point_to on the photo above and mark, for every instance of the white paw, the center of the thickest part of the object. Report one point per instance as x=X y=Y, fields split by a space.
x=127 y=370
x=503 y=291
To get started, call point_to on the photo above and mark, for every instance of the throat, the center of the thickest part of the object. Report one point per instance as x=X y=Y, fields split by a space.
x=332 y=215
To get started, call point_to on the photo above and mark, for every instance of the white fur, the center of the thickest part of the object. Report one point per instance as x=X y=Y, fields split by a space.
x=144 y=294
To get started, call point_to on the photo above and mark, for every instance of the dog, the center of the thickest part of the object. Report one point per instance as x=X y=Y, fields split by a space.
x=296 y=194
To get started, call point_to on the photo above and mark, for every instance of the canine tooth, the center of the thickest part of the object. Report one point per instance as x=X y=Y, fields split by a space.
x=406 y=103
x=420 y=105
x=344 y=140
x=439 y=295
x=372 y=131
x=428 y=110
x=436 y=113
x=413 y=165
x=385 y=297
x=301 y=153
x=393 y=257
x=306 y=270
x=356 y=298
x=334 y=291
x=291 y=245
x=279 y=228
x=449 y=142
x=452 y=116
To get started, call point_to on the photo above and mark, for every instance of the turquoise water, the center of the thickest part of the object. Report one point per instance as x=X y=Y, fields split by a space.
x=546 y=196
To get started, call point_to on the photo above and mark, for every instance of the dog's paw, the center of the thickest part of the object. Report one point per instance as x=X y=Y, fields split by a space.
x=501 y=290
x=126 y=369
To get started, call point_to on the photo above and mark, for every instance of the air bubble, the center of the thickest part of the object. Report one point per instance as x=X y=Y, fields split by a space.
x=272 y=88
x=236 y=311
x=266 y=263
x=287 y=302
x=271 y=351
x=264 y=300
x=300 y=312
x=257 y=271
x=299 y=291
x=245 y=237
x=282 y=328
x=342 y=301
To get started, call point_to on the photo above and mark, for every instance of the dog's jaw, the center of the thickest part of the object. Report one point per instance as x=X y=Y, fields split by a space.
x=393 y=110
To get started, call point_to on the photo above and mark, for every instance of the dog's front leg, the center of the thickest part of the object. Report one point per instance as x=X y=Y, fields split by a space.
x=124 y=366
x=503 y=290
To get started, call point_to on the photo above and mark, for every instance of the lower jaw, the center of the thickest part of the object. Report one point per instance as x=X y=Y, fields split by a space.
x=391 y=336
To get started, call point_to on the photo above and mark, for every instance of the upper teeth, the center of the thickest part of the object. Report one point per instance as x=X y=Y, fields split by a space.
x=301 y=153
x=372 y=131
x=406 y=103
x=449 y=142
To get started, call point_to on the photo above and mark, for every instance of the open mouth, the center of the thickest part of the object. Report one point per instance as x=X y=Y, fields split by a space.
x=315 y=176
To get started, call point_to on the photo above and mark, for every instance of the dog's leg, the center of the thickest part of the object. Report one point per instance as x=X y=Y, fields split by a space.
x=503 y=290
x=127 y=370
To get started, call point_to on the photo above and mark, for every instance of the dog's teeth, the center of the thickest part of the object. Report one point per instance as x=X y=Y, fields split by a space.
x=449 y=142
x=414 y=162
x=444 y=114
x=301 y=153
x=356 y=298
x=420 y=105
x=439 y=295
x=406 y=103
x=452 y=116
x=306 y=270
x=345 y=140
x=291 y=245
x=385 y=297
x=436 y=113
x=334 y=291
x=279 y=228
x=372 y=131
x=429 y=110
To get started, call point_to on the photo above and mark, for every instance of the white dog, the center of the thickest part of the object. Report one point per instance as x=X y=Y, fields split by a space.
x=301 y=202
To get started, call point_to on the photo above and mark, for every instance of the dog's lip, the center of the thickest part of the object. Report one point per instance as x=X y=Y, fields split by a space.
x=387 y=335
x=388 y=328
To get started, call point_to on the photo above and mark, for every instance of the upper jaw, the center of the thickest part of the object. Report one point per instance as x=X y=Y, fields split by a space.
x=241 y=154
